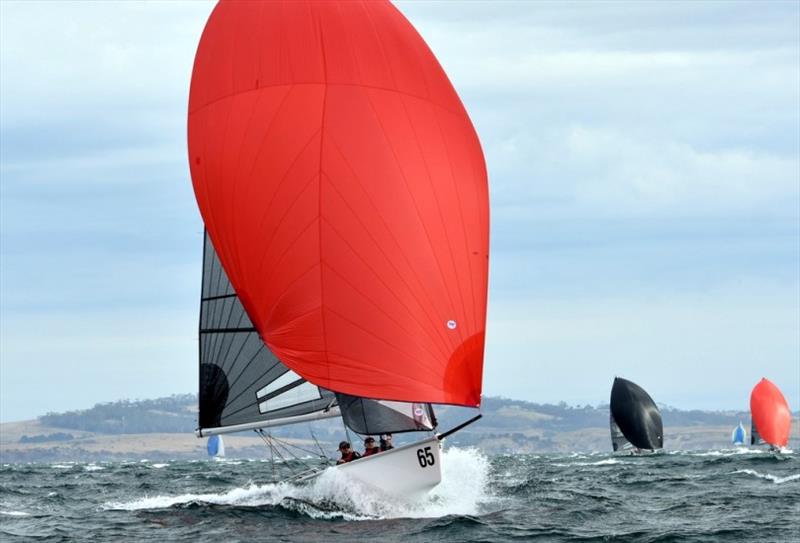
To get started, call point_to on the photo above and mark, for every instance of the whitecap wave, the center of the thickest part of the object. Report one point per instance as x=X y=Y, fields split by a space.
x=463 y=490
x=606 y=462
x=226 y=461
x=93 y=467
x=15 y=513
x=159 y=466
x=768 y=476
x=724 y=452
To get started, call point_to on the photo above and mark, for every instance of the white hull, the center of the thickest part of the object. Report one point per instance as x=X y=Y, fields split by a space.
x=407 y=471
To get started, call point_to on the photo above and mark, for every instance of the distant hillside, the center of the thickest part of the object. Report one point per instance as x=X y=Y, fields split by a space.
x=163 y=428
x=178 y=413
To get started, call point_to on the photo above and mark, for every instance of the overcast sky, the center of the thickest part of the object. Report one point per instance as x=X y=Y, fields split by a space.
x=644 y=163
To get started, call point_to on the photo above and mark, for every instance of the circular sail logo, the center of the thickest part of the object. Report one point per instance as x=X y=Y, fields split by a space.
x=451 y=324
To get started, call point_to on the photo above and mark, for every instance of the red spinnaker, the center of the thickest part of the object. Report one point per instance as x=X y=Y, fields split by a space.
x=345 y=191
x=770 y=412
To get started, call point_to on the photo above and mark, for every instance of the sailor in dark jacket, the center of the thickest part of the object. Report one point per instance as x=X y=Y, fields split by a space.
x=386 y=442
x=369 y=446
x=348 y=454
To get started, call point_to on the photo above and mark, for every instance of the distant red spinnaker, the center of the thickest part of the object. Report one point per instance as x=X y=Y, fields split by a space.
x=771 y=415
x=345 y=191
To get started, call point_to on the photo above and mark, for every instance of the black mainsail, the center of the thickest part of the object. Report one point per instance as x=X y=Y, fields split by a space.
x=242 y=384
x=635 y=418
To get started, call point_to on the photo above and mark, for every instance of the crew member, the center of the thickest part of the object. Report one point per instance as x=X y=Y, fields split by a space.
x=369 y=446
x=386 y=442
x=348 y=454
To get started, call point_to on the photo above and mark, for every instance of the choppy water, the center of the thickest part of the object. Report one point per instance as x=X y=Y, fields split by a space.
x=707 y=496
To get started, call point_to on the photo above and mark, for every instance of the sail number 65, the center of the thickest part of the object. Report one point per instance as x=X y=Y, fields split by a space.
x=425 y=457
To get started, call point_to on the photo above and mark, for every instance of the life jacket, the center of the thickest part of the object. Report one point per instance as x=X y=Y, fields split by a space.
x=349 y=457
x=370 y=452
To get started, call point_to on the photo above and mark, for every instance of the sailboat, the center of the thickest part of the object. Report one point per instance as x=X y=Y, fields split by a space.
x=635 y=420
x=739 y=435
x=771 y=417
x=345 y=201
x=215 y=447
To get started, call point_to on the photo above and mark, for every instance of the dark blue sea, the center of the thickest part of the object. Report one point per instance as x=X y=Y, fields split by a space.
x=701 y=496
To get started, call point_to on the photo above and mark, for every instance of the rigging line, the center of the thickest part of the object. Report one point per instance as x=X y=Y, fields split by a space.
x=298 y=447
x=316 y=441
x=276 y=443
x=260 y=432
x=346 y=432
x=297 y=459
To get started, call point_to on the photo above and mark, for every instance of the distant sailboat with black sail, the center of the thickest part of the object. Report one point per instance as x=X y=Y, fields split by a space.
x=771 y=416
x=634 y=418
x=345 y=199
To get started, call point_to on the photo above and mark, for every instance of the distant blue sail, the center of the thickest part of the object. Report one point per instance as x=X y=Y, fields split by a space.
x=739 y=435
x=216 y=448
